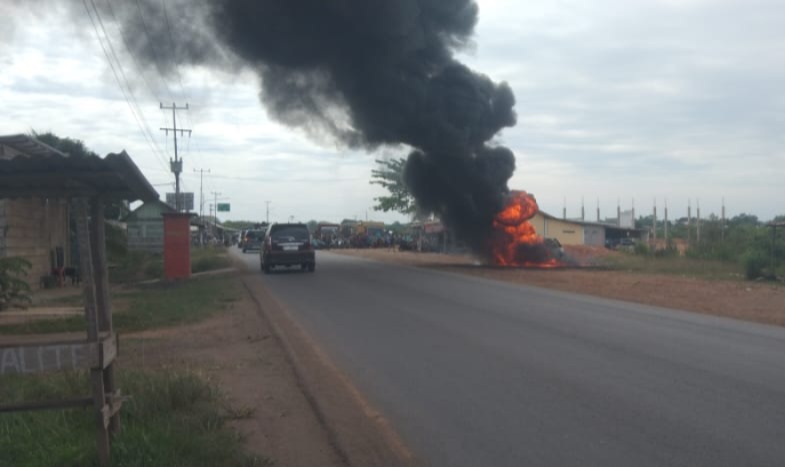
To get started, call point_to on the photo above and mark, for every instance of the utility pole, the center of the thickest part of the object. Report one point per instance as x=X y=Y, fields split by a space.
x=215 y=211
x=564 y=209
x=722 y=231
x=267 y=217
x=665 y=224
x=177 y=164
x=689 y=221
x=201 y=190
x=654 y=222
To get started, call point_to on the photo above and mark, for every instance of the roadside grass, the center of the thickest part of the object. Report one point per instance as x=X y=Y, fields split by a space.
x=173 y=418
x=675 y=265
x=150 y=306
x=127 y=267
x=209 y=259
x=135 y=266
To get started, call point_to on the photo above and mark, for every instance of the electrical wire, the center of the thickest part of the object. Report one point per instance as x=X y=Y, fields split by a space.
x=117 y=78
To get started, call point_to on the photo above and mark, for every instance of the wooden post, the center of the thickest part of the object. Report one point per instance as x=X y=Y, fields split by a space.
x=104 y=310
x=90 y=303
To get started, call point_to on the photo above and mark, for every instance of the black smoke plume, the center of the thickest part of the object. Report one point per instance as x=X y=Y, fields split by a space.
x=364 y=72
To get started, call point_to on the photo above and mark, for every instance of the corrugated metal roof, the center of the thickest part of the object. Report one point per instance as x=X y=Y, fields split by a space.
x=40 y=170
x=29 y=146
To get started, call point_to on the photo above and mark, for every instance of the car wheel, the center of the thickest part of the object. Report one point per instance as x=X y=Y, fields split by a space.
x=266 y=268
x=312 y=267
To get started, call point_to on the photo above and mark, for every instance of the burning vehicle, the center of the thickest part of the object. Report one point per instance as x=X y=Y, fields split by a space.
x=514 y=241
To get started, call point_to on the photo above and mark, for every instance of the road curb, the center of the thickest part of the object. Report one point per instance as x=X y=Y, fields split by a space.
x=359 y=434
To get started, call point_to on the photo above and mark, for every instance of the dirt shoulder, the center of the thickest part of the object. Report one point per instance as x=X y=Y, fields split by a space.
x=751 y=301
x=237 y=351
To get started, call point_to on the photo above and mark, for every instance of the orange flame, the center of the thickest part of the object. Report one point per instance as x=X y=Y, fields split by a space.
x=515 y=241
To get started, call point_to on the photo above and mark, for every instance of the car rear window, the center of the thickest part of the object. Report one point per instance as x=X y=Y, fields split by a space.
x=293 y=233
x=253 y=234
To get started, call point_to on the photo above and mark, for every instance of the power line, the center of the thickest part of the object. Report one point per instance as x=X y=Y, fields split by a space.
x=130 y=52
x=116 y=76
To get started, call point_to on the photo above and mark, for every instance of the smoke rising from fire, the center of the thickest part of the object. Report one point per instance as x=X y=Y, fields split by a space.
x=365 y=73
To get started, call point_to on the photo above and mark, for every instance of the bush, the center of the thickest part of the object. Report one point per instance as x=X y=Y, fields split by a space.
x=14 y=290
x=642 y=249
x=754 y=264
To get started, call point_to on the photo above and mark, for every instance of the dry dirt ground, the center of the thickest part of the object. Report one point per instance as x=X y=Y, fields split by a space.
x=237 y=351
x=752 y=301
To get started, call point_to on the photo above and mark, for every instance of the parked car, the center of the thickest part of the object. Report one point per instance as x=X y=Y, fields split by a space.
x=287 y=245
x=253 y=240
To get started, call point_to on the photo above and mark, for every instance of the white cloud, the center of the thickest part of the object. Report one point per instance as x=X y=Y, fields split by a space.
x=616 y=99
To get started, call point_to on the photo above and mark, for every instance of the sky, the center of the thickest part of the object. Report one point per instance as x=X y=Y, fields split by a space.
x=635 y=101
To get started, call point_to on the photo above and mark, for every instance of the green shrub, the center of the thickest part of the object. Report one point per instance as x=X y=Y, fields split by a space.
x=14 y=290
x=642 y=249
x=754 y=264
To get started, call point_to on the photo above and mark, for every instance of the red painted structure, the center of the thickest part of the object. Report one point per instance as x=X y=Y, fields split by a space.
x=177 y=245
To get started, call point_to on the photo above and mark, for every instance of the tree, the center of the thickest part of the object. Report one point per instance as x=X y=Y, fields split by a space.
x=744 y=219
x=115 y=209
x=390 y=176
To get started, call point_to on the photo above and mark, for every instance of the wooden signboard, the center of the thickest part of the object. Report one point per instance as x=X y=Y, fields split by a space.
x=57 y=356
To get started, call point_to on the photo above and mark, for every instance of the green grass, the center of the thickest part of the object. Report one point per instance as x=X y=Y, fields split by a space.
x=172 y=419
x=150 y=306
x=135 y=266
x=209 y=259
x=675 y=265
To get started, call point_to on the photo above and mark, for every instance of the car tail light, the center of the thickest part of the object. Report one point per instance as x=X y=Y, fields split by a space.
x=306 y=246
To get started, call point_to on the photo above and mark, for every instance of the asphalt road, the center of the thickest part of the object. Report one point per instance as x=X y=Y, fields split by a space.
x=474 y=372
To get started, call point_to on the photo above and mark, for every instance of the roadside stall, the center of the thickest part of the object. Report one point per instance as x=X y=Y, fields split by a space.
x=30 y=169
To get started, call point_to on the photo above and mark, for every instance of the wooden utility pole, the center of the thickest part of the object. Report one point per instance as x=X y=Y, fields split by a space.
x=177 y=164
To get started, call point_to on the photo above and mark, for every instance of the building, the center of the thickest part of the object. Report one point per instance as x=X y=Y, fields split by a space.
x=145 y=227
x=36 y=184
x=36 y=229
x=577 y=232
